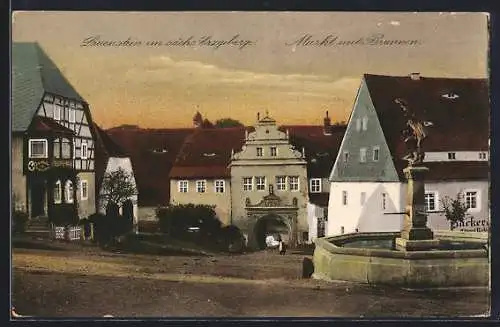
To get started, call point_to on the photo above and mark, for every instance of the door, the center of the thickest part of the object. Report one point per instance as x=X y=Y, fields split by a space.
x=38 y=199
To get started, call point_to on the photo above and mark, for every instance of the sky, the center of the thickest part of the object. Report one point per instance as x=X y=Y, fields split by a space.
x=156 y=69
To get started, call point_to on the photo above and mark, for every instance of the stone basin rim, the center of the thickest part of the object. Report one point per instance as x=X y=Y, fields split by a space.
x=327 y=243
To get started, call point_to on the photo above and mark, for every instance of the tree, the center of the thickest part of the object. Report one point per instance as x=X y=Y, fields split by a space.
x=227 y=122
x=454 y=209
x=117 y=187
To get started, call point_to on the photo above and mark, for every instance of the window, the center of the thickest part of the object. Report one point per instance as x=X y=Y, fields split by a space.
x=358 y=124
x=384 y=201
x=362 y=198
x=365 y=123
x=57 y=148
x=451 y=156
x=69 y=192
x=57 y=112
x=376 y=153
x=346 y=156
x=471 y=200
x=260 y=182
x=344 y=198
x=84 y=190
x=482 y=155
x=362 y=155
x=219 y=186
x=183 y=186
x=84 y=151
x=57 y=192
x=281 y=183
x=66 y=148
x=315 y=185
x=38 y=148
x=72 y=115
x=274 y=151
x=259 y=152
x=247 y=183
x=431 y=201
x=201 y=186
x=293 y=182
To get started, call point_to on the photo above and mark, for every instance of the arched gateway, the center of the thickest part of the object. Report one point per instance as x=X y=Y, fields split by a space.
x=271 y=215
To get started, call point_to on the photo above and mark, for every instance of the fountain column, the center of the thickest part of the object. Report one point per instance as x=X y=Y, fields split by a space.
x=415 y=235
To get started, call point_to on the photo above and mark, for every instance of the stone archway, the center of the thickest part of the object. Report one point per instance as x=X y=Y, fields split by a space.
x=269 y=210
x=270 y=225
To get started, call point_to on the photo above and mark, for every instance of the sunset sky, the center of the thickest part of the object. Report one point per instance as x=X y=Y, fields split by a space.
x=164 y=85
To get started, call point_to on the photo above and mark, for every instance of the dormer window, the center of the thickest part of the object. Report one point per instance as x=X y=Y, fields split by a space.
x=450 y=96
x=451 y=155
x=209 y=154
x=160 y=150
x=482 y=155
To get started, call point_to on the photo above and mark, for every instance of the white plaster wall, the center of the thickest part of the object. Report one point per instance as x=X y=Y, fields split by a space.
x=370 y=217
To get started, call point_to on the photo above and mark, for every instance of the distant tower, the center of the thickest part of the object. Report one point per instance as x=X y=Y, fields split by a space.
x=197 y=120
x=327 y=125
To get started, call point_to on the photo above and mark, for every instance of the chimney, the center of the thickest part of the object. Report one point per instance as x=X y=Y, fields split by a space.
x=258 y=116
x=415 y=76
x=327 y=125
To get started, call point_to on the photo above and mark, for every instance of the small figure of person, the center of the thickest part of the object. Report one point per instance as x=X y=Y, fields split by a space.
x=282 y=247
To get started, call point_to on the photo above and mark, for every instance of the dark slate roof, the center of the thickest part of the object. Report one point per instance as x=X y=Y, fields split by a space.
x=153 y=152
x=458 y=108
x=33 y=74
x=48 y=125
x=319 y=199
x=457 y=170
x=207 y=153
x=321 y=149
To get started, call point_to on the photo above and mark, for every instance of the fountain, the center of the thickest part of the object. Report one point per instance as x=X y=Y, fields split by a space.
x=415 y=257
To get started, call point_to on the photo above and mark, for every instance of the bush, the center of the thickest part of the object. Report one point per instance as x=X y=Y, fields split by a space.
x=64 y=215
x=109 y=227
x=232 y=239
x=19 y=220
x=175 y=220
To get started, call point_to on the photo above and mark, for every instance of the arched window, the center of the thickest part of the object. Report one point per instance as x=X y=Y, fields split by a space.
x=57 y=192
x=69 y=191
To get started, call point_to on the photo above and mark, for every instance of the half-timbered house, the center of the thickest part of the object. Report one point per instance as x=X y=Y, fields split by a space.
x=52 y=139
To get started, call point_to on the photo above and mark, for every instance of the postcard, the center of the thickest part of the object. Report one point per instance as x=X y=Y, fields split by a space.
x=250 y=164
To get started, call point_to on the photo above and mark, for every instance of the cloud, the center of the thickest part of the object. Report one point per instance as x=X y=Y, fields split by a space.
x=163 y=70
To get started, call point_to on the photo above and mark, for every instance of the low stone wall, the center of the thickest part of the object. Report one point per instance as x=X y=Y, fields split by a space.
x=416 y=269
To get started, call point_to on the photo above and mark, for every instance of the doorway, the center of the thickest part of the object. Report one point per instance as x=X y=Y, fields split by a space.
x=38 y=199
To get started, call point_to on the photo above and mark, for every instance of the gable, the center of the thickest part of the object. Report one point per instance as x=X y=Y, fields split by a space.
x=357 y=138
x=34 y=74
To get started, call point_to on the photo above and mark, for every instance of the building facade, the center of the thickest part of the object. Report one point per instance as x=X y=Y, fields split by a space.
x=368 y=188
x=53 y=163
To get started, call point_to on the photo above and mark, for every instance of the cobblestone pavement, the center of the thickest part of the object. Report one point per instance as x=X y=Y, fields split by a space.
x=69 y=282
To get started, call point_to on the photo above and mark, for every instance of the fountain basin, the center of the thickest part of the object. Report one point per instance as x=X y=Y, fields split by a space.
x=460 y=259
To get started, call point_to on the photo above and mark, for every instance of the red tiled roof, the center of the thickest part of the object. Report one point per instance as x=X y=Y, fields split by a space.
x=152 y=152
x=207 y=153
x=48 y=125
x=321 y=149
x=459 y=123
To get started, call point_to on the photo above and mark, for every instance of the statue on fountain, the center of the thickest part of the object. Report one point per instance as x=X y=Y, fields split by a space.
x=414 y=135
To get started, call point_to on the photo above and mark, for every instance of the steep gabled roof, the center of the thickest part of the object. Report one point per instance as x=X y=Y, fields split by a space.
x=207 y=153
x=33 y=74
x=458 y=109
x=153 y=152
x=48 y=125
